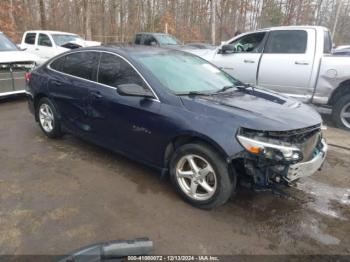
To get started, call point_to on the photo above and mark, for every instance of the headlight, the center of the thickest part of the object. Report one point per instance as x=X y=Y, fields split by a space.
x=270 y=150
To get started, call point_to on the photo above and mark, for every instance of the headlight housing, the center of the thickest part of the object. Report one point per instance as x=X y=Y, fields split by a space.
x=270 y=150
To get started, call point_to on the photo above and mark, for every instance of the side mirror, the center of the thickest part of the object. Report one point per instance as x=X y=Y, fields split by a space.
x=225 y=49
x=134 y=90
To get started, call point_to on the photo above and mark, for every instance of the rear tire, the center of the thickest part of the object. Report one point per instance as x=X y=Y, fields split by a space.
x=341 y=112
x=201 y=176
x=48 y=118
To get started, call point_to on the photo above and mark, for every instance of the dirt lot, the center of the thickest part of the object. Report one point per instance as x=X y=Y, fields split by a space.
x=58 y=195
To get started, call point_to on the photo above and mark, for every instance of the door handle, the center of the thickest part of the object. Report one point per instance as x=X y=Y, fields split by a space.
x=248 y=61
x=301 y=63
x=96 y=94
x=36 y=49
x=57 y=83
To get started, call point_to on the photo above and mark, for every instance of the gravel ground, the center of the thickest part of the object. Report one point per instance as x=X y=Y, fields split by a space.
x=58 y=195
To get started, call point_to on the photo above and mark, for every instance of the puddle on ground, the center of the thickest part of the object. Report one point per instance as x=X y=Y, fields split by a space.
x=323 y=197
x=312 y=228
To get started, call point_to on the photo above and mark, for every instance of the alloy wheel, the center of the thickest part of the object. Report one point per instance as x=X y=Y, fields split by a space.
x=46 y=118
x=196 y=177
x=345 y=115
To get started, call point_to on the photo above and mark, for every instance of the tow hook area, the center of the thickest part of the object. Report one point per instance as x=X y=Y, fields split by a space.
x=258 y=173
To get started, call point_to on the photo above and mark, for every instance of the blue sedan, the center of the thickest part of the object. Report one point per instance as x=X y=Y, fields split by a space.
x=179 y=114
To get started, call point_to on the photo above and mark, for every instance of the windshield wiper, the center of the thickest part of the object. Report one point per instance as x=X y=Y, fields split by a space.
x=225 y=88
x=238 y=86
x=194 y=93
x=245 y=86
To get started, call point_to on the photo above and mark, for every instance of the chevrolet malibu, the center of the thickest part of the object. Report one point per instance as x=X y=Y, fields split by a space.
x=181 y=115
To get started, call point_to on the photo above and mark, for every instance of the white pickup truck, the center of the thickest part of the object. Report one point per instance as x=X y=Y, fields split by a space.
x=293 y=60
x=46 y=44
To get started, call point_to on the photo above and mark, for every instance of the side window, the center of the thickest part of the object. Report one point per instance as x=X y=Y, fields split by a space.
x=30 y=38
x=327 y=45
x=286 y=42
x=252 y=43
x=44 y=40
x=138 y=39
x=81 y=64
x=58 y=63
x=149 y=39
x=114 y=71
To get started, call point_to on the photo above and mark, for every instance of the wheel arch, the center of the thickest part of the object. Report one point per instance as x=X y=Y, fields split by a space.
x=36 y=100
x=186 y=138
x=342 y=89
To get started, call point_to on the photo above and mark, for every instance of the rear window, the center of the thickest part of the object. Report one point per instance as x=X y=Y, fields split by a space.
x=327 y=45
x=58 y=63
x=30 y=38
x=138 y=39
x=286 y=42
x=81 y=64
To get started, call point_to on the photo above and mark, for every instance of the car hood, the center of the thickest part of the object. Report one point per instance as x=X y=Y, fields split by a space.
x=257 y=109
x=17 y=56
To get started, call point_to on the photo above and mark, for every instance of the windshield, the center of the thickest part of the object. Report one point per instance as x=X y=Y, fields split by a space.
x=6 y=44
x=167 y=40
x=62 y=39
x=183 y=73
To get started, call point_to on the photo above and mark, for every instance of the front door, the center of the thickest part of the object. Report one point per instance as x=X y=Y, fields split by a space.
x=44 y=48
x=243 y=63
x=124 y=123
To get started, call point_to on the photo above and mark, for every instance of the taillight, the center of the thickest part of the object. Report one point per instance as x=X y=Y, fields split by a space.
x=27 y=76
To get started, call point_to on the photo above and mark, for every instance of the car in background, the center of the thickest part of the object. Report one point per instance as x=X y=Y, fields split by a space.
x=14 y=64
x=47 y=44
x=342 y=51
x=154 y=105
x=156 y=39
x=297 y=61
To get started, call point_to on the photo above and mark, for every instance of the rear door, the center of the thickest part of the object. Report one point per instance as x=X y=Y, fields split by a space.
x=70 y=87
x=243 y=62
x=29 y=42
x=287 y=61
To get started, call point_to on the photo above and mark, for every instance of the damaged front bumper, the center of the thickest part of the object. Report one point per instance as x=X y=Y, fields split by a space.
x=308 y=168
x=272 y=158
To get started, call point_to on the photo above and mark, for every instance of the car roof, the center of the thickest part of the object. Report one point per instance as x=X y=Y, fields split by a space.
x=291 y=27
x=129 y=50
x=50 y=32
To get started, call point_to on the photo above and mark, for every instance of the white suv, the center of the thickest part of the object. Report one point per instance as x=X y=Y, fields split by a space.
x=46 y=44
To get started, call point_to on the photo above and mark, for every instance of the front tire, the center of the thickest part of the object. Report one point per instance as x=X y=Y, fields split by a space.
x=48 y=119
x=341 y=112
x=201 y=176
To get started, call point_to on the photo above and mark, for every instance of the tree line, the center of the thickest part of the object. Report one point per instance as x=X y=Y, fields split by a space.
x=189 y=20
